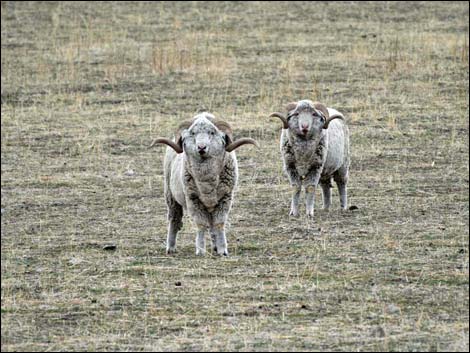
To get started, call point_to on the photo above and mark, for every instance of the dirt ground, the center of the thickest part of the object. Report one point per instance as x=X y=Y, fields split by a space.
x=85 y=87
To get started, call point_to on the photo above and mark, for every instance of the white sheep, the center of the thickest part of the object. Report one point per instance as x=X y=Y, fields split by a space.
x=201 y=173
x=314 y=148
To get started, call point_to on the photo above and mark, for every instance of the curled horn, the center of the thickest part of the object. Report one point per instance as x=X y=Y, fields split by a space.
x=289 y=107
x=332 y=117
x=176 y=146
x=225 y=128
x=243 y=141
x=322 y=108
x=328 y=118
x=282 y=117
x=230 y=144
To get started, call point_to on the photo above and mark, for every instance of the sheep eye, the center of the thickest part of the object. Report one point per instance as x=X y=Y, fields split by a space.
x=212 y=133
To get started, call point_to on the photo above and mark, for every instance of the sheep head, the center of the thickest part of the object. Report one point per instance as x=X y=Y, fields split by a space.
x=204 y=137
x=305 y=118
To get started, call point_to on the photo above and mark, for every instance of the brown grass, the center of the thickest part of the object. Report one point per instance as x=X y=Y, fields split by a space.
x=87 y=86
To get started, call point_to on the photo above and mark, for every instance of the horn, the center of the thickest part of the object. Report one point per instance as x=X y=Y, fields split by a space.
x=282 y=117
x=178 y=149
x=225 y=128
x=240 y=142
x=291 y=106
x=332 y=117
x=322 y=108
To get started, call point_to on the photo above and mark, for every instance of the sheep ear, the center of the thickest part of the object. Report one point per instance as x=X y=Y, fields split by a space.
x=179 y=142
x=228 y=139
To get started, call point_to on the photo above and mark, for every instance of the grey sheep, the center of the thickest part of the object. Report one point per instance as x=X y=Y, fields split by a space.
x=201 y=173
x=314 y=149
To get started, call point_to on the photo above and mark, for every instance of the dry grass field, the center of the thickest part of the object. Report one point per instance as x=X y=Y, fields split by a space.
x=85 y=87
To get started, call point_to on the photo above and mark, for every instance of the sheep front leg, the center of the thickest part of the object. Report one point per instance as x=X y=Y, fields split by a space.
x=296 y=185
x=200 y=240
x=219 y=241
x=310 y=199
x=311 y=182
x=201 y=217
x=219 y=217
x=294 y=206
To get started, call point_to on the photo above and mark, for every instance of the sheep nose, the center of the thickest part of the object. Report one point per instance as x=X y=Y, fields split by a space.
x=201 y=149
x=304 y=126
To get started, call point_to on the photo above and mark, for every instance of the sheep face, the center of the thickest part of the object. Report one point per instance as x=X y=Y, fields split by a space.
x=305 y=121
x=202 y=140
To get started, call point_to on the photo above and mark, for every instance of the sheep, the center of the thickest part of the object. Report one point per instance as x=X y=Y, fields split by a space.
x=201 y=172
x=314 y=149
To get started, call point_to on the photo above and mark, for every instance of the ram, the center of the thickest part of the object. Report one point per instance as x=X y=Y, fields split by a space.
x=314 y=149
x=201 y=172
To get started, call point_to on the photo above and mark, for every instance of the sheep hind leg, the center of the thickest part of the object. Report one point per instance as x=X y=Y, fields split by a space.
x=175 y=223
x=341 y=182
x=214 y=241
x=326 y=193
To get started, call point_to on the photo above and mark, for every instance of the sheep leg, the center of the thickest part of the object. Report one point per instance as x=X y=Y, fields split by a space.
x=311 y=182
x=200 y=240
x=294 y=207
x=171 y=238
x=201 y=217
x=343 y=195
x=218 y=231
x=342 y=182
x=310 y=199
x=296 y=185
x=326 y=189
x=175 y=222
x=219 y=217
x=214 y=241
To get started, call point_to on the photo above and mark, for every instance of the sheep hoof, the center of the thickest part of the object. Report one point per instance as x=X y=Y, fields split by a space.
x=294 y=214
x=222 y=253
x=200 y=252
x=310 y=215
x=170 y=251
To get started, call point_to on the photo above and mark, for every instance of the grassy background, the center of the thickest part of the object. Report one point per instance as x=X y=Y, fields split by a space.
x=85 y=87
